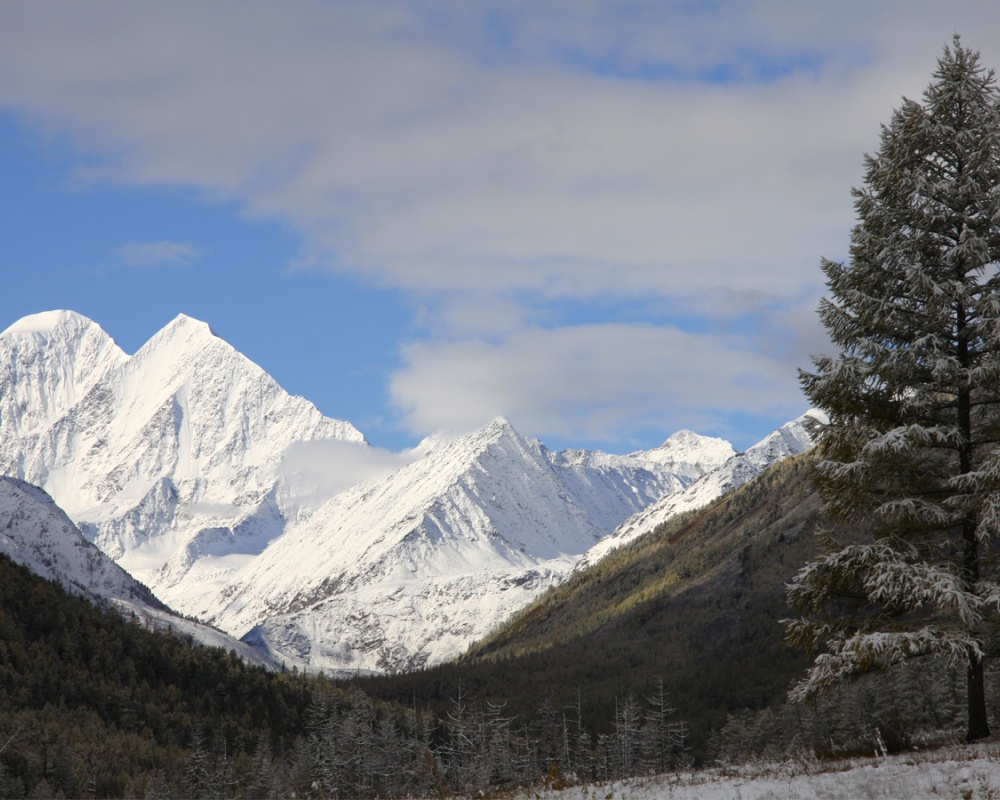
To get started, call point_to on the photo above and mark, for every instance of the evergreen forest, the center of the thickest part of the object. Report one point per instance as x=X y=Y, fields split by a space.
x=94 y=705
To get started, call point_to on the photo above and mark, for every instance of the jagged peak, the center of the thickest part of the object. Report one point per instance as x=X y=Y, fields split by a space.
x=790 y=439
x=687 y=438
x=184 y=322
x=683 y=436
x=448 y=448
x=494 y=431
x=182 y=335
x=686 y=446
x=499 y=424
x=490 y=432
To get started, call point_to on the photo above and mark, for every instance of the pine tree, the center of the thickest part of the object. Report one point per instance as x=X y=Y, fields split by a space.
x=661 y=736
x=627 y=728
x=910 y=455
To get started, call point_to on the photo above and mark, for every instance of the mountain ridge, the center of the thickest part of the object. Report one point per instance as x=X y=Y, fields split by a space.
x=690 y=610
x=155 y=454
x=184 y=463
x=790 y=439
x=37 y=534
x=469 y=533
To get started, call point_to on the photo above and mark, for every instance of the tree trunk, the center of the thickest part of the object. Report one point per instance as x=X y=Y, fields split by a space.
x=979 y=726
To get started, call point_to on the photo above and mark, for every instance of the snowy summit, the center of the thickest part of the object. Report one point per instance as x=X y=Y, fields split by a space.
x=198 y=474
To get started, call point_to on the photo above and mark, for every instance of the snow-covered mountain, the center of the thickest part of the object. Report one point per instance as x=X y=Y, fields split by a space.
x=690 y=454
x=790 y=439
x=198 y=474
x=169 y=460
x=409 y=570
x=37 y=534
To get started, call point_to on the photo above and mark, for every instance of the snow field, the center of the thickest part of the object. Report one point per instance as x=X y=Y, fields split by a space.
x=953 y=773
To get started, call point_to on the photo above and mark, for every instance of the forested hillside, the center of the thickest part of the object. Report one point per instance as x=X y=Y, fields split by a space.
x=93 y=704
x=694 y=604
x=669 y=652
x=694 y=609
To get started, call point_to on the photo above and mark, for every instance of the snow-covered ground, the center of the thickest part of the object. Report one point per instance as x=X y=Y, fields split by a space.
x=962 y=773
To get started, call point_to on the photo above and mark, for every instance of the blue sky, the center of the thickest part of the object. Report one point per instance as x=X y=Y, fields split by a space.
x=601 y=220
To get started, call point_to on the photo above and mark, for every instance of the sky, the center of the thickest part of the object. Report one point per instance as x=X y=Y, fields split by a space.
x=600 y=220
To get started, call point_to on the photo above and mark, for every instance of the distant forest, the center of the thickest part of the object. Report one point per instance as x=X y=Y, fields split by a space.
x=95 y=705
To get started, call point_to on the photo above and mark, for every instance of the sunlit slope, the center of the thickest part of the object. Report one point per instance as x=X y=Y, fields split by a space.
x=736 y=552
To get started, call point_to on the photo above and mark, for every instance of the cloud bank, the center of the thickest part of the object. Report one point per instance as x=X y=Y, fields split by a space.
x=607 y=216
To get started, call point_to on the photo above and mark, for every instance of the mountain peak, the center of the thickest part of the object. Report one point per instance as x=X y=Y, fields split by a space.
x=47 y=323
x=791 y=438
x=184 y=320
x=499 y=424
x=180 y=338
x=682 y=437
x=688 y=447
x=190 y=327
x=493 y=431
x=50 y=360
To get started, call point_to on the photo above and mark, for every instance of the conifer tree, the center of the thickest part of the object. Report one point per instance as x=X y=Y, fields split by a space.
x=910 y=456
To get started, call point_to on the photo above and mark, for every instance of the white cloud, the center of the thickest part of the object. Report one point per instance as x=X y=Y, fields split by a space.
x=491 y=158
x=423 y=164
x=603 y=382
x=317 y=470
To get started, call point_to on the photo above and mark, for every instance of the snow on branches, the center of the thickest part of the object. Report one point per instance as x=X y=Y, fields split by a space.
x=910 y=457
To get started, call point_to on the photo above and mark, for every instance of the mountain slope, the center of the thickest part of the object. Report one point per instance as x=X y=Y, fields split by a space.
x=198 y=474
x=37 y=534
x=170 y=460
x=694 y=603
x=790 y=439
x=92 y=705
x=408 y=570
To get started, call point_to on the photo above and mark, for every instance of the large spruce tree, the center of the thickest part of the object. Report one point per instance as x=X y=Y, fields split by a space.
x=911 y=453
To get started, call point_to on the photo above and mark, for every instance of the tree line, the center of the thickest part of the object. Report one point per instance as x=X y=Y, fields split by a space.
x=95 y=705
x=355 y=747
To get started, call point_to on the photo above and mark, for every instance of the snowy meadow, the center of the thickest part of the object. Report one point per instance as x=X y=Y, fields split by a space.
x=963 y=772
